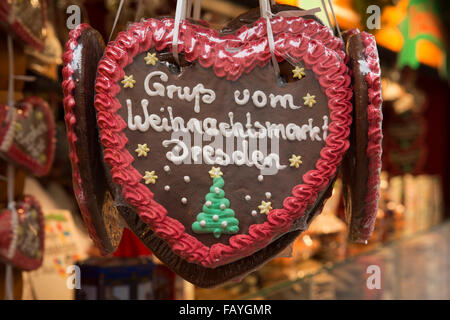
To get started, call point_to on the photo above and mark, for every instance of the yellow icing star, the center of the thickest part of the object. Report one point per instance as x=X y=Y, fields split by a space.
x=18 y=127
x=309 y=100
x=265 y=207
x=151 y=58
x=295 y=161
x=142 y=150
x=39 y=115
x=298 y=72
x=43 y=158
x=128 y=81
x=215 y=172
x=150 y=177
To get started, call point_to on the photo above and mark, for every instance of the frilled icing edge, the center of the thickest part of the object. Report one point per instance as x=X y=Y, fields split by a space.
x=205 y=46
x=71 y=121
x=374 y=150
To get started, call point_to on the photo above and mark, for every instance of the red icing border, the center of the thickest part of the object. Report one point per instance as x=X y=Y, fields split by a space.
x=71 y=121
x=294 y=25
x=375 y=136
x=23 y=159
x=207 y=47
x=19 y=260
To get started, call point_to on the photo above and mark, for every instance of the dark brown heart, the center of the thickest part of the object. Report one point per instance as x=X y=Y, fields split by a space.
x=124 y=125
x=83 y=51
x=362 y=163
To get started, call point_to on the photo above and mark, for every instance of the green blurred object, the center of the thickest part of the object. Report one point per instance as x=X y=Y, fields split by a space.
x=423 y=22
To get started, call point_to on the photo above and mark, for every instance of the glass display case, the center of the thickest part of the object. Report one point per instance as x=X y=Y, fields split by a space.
x=412 y=267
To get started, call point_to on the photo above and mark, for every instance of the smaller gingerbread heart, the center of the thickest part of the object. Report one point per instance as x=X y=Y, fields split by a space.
x=22 y=235
x=362 y=163
x=30 y=142
x=25 y=20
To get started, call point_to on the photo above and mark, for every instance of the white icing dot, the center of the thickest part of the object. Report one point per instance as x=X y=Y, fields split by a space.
x=247 y=198
x=176 y=149
x=254 y=213
x=216 y=190
x=268 y=195
x=183 y=200
x=167 y=188
x=208 y=203
x=260 y=178
x=187 y=179
x=215 y=217
x=166 y=168
x=224 y=224
x=162 y=109
x=222 y=206
x=203 y=223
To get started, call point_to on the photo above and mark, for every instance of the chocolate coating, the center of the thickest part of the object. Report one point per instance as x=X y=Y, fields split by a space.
x=99 y=202
x=355 y=164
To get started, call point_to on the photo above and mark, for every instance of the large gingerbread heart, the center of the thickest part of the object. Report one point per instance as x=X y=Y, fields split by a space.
x=29 y=136
x=214 y=204
x=22 y=237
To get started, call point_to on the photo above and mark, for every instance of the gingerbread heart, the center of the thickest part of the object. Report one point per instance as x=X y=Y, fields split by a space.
x=362 y=164
x=26 y=20
x=30 y=138
x=22 y=235
x=218 y=203
x=83 y=51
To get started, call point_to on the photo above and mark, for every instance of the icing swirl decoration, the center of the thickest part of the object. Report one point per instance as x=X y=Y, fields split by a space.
x=217 y=217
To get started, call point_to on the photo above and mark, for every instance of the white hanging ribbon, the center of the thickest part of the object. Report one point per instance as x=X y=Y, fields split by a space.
x=184 y=7
x=116 y=19
x=180 y=14
x=334 y=16
x=197 y=10
x=10 y=176
x=266 y=13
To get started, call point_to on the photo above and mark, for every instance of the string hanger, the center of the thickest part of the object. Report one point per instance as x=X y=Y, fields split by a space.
x=334 y=17
x=184 y=10
x=10 y=176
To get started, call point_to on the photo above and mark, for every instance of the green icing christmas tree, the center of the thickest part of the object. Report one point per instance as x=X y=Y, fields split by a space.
x=217 y=217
